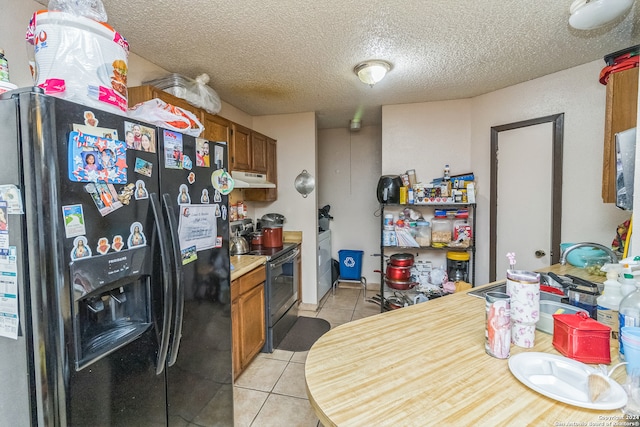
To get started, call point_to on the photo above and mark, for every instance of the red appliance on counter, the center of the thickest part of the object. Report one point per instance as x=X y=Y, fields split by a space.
x=272 y=236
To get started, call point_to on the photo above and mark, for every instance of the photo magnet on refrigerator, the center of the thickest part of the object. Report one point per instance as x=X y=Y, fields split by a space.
x=11 y=194
x=202 y=153
x=80 y=248
x=136 y=238
x=205 y=196
x=103 y=245
x=189 y=255
x=139 y=137
x=104 y=196
x=217 y=197
x=172 y=150
x=90 y=119
x=191 y=178
x=4 y=230
x=224 y=212
x=89 y=129
x=186 y=162
x=222 y=181
x=183 y=195
x=117 y=243
x=141 y=190
x=73 y=220
x=143 y=167
x=93 y=158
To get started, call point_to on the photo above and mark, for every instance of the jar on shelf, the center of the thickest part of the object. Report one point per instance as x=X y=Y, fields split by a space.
x=423 y=233
x=440 y=231
x=458 y=266
x=460 y=233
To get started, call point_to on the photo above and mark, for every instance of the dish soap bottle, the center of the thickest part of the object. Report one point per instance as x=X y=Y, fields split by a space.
x=628 y=315
x=609 y=303
x=627 y=283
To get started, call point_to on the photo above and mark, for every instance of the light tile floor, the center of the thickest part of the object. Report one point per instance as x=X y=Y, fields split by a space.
x=271 y=391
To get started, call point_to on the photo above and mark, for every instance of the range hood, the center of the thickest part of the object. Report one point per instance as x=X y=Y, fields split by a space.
x=250 y=180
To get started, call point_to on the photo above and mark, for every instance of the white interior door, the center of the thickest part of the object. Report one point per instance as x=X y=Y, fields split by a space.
x=524 y=197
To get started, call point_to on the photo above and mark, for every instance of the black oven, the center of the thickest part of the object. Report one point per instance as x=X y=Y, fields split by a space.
x=281 y=291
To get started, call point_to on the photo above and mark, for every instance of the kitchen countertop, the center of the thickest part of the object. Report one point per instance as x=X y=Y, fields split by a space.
x=426 y=365
x=245 y=263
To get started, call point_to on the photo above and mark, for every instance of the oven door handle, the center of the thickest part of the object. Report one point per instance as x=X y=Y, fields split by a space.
x=290 y=258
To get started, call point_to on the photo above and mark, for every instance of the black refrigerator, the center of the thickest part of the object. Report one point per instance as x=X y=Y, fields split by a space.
x=114 y=270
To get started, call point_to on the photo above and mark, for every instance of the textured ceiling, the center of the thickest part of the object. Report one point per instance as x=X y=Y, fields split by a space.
x=288 y=56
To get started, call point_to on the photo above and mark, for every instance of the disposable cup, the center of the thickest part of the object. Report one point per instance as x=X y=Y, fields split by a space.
x=632 y=332
x=632 y=340
x=632 y=357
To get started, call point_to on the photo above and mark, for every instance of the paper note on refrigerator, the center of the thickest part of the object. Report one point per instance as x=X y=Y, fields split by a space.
x=197 y=227
x=9 y=295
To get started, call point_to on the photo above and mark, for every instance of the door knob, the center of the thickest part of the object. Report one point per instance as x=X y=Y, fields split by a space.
x=540 y=253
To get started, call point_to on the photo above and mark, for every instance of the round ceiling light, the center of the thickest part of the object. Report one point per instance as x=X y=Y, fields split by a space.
x=590 y=14
x=371 y=72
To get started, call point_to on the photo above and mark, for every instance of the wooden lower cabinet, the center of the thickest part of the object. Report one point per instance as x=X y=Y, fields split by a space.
x=247 y=318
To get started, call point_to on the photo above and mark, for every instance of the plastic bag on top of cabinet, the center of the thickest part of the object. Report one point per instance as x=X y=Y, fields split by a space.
x=168 y=116
x=194 y=91
x=93 y=9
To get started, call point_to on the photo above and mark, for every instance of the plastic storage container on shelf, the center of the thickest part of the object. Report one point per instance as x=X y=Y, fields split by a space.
x=458 y=266
x=461 y=232
x=440 y=231
x=423 y=233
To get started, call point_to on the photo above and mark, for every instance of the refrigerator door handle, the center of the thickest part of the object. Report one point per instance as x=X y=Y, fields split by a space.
x=167 y=281
x=179 y=282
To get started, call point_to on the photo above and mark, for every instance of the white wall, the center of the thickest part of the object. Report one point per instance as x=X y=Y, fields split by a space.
x=349 y=165
x=463 y=128
x=296 y=135
x=426 y=137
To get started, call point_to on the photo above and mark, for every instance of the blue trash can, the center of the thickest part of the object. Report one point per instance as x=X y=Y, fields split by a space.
x=350 y=264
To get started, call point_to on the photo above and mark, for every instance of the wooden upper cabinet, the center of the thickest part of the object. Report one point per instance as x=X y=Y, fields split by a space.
x=216 y=128
x=240 y=148
x=249 y=151
x=267 y=194
x=621 y=114
x=258 y=152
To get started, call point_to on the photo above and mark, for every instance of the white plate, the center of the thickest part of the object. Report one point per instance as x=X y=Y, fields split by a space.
x=563 y=379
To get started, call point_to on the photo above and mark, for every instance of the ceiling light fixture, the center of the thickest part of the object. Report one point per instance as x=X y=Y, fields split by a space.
x=371 y=72
x=590 y=14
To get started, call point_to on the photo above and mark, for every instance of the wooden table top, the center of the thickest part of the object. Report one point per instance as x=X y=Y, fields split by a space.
x=426 y=365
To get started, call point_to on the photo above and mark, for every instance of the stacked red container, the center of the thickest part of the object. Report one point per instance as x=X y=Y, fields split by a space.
x=582 y=338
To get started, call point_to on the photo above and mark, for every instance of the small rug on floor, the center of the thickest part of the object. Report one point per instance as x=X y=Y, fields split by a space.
x=304 y=333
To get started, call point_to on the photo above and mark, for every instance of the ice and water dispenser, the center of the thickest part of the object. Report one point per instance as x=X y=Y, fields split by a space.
x=111 y=302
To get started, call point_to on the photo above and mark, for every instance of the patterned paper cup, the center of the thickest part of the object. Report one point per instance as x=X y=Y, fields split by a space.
x=524 y=289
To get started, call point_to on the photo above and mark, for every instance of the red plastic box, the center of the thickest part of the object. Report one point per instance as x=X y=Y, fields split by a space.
x=582 y=338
